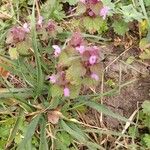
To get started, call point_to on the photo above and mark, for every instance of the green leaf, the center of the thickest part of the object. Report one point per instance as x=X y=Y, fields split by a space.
x=65 y=138
x=131 y=14
x=81 y=8
x=39 y=86
x=29 y=133
x=63 y=59
x=79 y=135
x=13 y=53
x=144 y=43
x=120 y=27
x=94 y=24
x=109 y=3
x=74 y=91
x=56 y=91
x=75 y=71
x=146 y=107
x=16 y=127
x=145 y=54
x=147 y=2
x=23 y=48
x=43 y=140
x=130 y=60
x=102 y=109
x=73 y=133
x=146 y=140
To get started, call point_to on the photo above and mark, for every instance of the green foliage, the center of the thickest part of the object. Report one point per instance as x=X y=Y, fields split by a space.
x=55 y=10
x=146 y=140
x=147 y=2
x=120 y=27
x=146 y=107
x=130 y=13
x=26 y=88
x=56 y=91
x=93 y=25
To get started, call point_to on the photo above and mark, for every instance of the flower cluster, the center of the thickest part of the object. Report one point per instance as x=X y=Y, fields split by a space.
x=95 y=8
x=77 y=63
x=21 y=33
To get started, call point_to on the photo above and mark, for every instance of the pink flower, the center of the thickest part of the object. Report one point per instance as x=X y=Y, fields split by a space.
x=104 y=11
x=66 y=92
x=95 y=76
x=92 y=59
x=83 y=1
x=91 y=13
x=40 y=21
x=18 y=34
x=26 y=27
x=52 y=79
x=57 y=50
x=51 y=26
x=80 y=49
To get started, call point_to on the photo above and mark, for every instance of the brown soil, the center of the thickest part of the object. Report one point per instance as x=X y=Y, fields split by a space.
x=131 y=96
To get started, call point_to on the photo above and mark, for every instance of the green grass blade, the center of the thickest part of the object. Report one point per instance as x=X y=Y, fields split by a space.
x=103 y=109
x=39 y=86
x=15 y=129
x=29 y=133
x=80 y=137
x=43 y=140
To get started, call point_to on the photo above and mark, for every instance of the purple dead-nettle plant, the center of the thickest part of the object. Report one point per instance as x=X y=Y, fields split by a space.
x=104 y=11
x=51 y=26
x=95 y=76
x=16 y=34
x=57 y=50
x=52 y=78
x=71 y=72
x=66 y=92
x=26 y=27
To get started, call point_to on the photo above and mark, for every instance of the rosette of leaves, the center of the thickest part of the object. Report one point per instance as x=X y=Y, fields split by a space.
x=21 y=41
x=74 y=70
x=91 y=19
x=48 y=30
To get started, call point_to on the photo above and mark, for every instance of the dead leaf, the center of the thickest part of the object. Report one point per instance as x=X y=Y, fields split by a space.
x=54 y=116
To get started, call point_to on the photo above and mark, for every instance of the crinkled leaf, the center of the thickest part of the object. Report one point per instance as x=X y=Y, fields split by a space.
x=56 y=91
x=81 y=8
x=145 y=54
x=65 y=138
x=144 y=43
x=23 y=48
x=130 y=13
x=13 y=53
x=63 y=59
x=146 y=140
x=74 y=91
x=120 y=27
x=146 y=107
x=94 y=24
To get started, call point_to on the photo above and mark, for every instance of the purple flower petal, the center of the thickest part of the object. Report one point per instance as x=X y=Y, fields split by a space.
x=104 y=11
x=26 y=27
x=57 y=50
x=83 y=1
x=91 y=13
x=40 y=21
x=95 y=76
x=52 y=79
x=66 y=92
x=92 y=59
x=80 y=49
